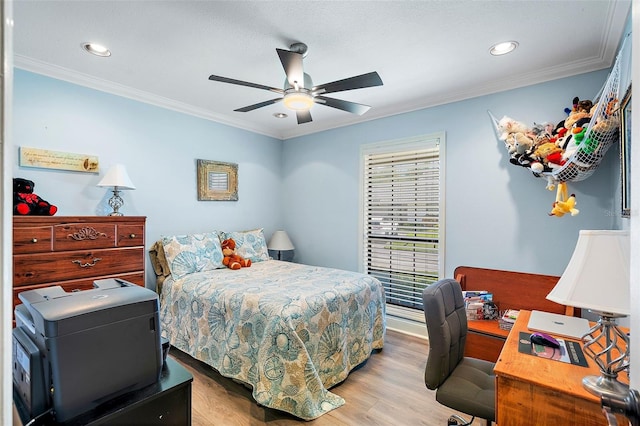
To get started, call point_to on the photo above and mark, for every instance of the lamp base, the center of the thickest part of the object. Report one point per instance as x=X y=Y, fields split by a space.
x=115 y=202
x=604 y=386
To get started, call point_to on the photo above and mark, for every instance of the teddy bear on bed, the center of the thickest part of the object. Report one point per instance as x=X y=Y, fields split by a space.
x=25 y=202
x=231 y=259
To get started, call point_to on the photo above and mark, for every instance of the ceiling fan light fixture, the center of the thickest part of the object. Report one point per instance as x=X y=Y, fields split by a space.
x=96 y=49
x=298 y=100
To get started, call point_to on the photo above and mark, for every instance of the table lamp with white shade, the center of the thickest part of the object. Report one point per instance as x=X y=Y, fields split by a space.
x=280 y=242
x=118 y=178
x=597 y=279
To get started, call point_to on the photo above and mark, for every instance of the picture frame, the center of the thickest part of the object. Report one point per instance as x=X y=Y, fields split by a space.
x=625 y=153
x=217 y=181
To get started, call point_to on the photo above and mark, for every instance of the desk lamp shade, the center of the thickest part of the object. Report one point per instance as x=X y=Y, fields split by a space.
x=118 y=178
x=597 y=278
x=280 y=242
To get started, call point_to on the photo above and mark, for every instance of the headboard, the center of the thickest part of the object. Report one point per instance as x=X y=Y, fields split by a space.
x=513 y=290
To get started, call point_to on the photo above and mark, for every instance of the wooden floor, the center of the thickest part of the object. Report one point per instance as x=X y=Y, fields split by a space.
x=387 y=390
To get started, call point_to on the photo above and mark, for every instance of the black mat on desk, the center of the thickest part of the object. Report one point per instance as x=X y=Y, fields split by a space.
x=569 y=352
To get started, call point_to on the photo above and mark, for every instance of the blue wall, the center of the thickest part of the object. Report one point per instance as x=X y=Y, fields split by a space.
x=496 y=213
x=159 y=147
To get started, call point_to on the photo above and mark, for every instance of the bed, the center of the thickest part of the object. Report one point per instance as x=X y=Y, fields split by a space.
x=288 y=331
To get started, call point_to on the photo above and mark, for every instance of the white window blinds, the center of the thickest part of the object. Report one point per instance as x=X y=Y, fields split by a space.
x=403 y=242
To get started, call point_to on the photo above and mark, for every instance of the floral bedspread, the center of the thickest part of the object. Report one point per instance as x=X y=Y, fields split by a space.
x=290 y=331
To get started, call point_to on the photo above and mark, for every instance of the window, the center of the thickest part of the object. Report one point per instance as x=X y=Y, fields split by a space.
x=403 y=224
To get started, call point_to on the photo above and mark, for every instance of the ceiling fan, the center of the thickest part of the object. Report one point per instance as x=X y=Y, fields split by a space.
x=299 y=93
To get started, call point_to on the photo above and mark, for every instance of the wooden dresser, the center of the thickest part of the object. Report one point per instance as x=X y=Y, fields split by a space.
x=73 y=251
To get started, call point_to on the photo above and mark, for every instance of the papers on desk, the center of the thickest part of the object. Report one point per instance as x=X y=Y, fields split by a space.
x=508 y=319
x=569 y=351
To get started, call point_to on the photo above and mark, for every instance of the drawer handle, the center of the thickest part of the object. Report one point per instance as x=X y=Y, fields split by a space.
x=132 y=236
x=34 y=240
x=85 y=265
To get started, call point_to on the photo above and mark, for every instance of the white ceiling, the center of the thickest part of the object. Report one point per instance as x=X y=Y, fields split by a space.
x=426 y=52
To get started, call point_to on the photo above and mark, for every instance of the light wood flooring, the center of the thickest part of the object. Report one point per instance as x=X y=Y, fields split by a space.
x=386 y=390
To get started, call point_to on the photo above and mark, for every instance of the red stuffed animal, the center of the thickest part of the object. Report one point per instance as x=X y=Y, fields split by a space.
x=25 y=202
x=231 y=259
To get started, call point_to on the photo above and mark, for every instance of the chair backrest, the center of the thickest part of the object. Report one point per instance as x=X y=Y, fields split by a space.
x=446 y=319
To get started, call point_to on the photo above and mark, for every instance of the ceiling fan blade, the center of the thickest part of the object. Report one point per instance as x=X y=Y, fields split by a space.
x=351 y=107
x=259 y=105
x=292 y=64
x=244 y=83
x=303 y=116
x=358 y=82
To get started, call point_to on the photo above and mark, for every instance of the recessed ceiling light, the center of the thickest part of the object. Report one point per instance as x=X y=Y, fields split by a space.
x=503 y=48
x=96 y=49
x=280 y=115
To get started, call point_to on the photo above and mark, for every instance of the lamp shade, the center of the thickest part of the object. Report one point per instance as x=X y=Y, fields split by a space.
x=280 y=241
x=597 y=276
x=117 y=176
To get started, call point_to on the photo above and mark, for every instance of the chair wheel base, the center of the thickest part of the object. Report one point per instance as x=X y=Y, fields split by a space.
x=456 y=420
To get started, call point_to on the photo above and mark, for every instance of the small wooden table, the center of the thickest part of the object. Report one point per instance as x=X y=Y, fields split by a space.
x=540 y=391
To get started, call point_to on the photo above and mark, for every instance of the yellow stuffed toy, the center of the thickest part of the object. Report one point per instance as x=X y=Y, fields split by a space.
x=564 y=204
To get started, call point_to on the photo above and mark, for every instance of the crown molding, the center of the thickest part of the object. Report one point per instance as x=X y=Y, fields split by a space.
x=65 y=74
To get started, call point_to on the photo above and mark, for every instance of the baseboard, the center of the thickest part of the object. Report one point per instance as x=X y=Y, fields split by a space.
x=405 y=326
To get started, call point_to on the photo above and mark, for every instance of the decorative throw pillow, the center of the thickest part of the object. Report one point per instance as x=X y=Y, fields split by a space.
x=250 y=244
x=187 y=254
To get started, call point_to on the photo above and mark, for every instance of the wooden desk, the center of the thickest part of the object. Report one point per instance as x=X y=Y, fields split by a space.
x=511 y=290
x=539 y=391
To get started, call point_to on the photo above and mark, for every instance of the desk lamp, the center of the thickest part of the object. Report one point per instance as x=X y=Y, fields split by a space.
x=597 y=278
x=280 y=242
x=118 y=178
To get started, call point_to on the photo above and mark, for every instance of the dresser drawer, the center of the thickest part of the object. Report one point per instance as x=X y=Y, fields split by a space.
x=35 y=239
x=130 y=235
x=51 y=267
x=78 y=236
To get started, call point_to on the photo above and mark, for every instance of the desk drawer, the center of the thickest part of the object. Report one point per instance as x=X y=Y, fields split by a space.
x=483 y=346
x=52 y=267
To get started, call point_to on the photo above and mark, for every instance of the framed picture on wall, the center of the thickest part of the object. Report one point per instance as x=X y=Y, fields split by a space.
x=625 y=152
x=217 y=181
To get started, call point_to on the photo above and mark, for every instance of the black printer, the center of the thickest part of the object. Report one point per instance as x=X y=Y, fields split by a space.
x=73 y=351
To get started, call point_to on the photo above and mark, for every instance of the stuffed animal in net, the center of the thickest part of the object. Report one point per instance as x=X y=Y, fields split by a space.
x=564 y=203
x=231 y=259
x=25 y=202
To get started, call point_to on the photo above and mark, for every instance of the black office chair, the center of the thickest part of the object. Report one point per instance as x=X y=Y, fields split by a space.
x=461 y=383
